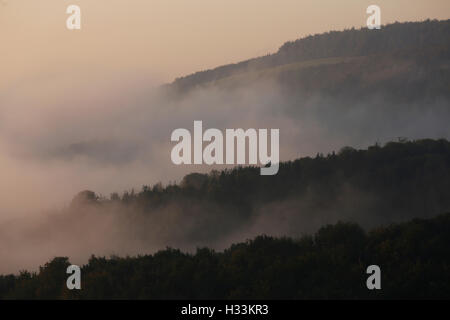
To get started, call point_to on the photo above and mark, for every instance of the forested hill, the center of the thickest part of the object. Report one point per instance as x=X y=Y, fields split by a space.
x=379 y=185
x=373 y=187
x=409 y=37
x=413 y=257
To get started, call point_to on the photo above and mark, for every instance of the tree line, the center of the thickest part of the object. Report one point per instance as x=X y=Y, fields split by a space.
x=414 y=258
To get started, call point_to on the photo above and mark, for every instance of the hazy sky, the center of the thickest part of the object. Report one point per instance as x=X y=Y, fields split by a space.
x=61 y=90
x=163 y=39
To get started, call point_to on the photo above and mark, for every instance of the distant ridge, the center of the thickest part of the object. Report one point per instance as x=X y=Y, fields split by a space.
x=347 y=43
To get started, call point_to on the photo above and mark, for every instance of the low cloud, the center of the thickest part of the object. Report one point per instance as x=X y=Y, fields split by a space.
x=59 y=136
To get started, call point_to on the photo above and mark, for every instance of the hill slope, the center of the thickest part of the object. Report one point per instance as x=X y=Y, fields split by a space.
x=413 y=257
x=380 y=185
x=411 y=46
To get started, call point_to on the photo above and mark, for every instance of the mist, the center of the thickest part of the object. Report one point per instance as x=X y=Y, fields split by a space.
x=88 y=110
x=60 y=135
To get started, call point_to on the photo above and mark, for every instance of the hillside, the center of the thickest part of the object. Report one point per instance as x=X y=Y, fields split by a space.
x=379 y=185
x=413 y=51
x=372 y=187
x=413 y=257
